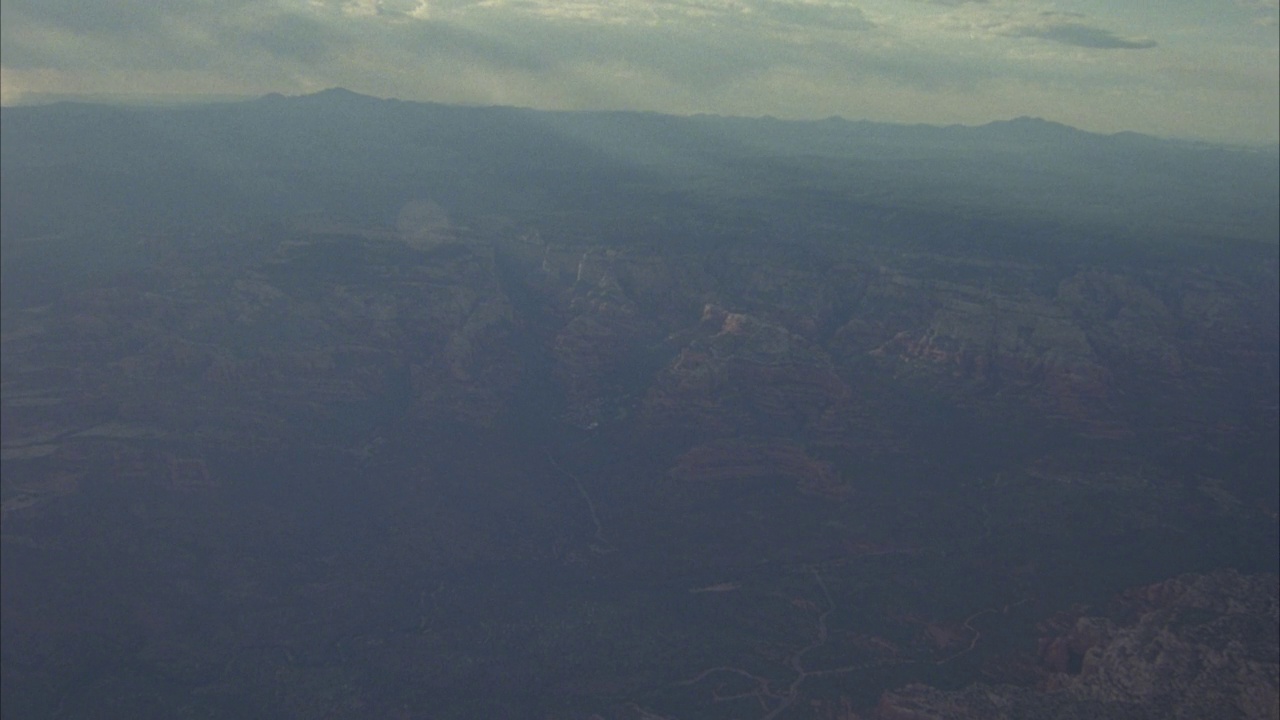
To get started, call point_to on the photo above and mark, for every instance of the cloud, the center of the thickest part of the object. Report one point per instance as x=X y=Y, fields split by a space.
x=814 y=13
x=917 y=61
x=135 y=35
x=1266 y=13
x=290 y=36
x=1069 y=29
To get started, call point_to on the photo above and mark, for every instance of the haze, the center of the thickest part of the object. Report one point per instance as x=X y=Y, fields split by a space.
x=1184 y=69
x=334 y=383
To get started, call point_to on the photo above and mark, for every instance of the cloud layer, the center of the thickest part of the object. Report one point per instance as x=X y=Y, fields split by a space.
x=1105 y=66
x=1072 y=29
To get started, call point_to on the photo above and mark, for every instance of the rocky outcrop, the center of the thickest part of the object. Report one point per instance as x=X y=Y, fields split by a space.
x=978 y=340
x=741 y=374
x=600 y=354
x=1196 y=646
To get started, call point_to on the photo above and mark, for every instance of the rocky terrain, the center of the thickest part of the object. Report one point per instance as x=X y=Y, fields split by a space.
x=723 y=374
x=1191 y=647
x=722 y=343
x=519 y=466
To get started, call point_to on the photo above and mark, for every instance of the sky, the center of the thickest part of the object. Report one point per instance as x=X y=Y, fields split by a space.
x=1199 y=69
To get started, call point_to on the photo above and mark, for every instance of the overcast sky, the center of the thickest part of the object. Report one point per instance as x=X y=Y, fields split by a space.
x=1204 y=69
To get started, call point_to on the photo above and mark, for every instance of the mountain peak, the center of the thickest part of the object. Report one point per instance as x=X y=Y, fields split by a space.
x=338 y=93
x=1026 y=124
x=332 y=95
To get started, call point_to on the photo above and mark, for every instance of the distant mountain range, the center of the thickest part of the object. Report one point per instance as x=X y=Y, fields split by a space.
x=346 y=157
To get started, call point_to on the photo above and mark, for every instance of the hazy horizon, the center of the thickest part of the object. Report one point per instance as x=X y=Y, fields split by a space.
x=161 y=100
x=1186 y=71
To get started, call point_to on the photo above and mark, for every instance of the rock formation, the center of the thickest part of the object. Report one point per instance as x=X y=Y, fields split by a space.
x=1196 y=646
